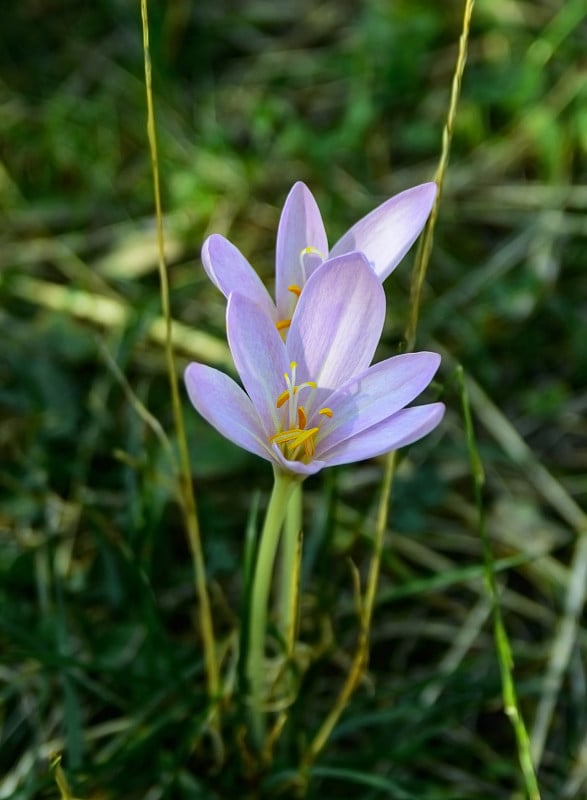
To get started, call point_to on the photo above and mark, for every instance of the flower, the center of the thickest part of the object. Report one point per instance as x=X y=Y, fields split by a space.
x=385 y=235
x=313 y=400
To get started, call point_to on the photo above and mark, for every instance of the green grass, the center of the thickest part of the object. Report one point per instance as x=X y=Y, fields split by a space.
x=100 y=652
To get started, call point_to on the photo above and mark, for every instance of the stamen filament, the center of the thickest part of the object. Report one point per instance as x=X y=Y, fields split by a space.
x=294 y=435
x=307 y=439
x=284 y=437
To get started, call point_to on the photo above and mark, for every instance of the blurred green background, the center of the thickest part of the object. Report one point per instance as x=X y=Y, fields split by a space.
x=99 y=656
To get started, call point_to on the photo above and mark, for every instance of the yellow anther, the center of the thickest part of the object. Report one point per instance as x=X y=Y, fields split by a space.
x=294 y=289
x=284 y=437
x=283 y=324
x=283 y=398
x=294 y=438
x=305 y=438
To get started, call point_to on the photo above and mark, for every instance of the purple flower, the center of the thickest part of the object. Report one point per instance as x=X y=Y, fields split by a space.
x=384 y=236
x=313 y=400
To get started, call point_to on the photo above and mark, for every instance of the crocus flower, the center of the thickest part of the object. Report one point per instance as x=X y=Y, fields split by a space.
x=313 y=400
x=384 y=236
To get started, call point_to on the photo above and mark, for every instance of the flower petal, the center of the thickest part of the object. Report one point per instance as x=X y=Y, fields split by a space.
x=297 y=467
x=397 y=431
x=337 y=322
x=259 y=355
x=230 y=271
x=227 y=408
x=386 y=234
x=373 y=396
x=300 y=227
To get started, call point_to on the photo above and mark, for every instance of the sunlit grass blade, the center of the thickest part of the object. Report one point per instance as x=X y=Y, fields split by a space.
x=60 y=778
x=186 y=491
x=361 y=656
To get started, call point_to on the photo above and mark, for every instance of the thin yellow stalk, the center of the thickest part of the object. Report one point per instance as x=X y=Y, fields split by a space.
x=60 y=779
x=186 y=493
x=422 y=259
x=425 y=244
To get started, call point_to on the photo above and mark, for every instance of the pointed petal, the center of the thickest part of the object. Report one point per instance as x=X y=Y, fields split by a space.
x=373 y=396
x=387 y=233
x=337 y=322
x=227 y=408
x=259 y=355
x=300 y=227
x=230 y=271
x=397 y=431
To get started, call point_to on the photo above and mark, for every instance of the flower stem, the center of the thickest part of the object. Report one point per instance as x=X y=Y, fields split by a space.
x=283 y=487
x=289 y=570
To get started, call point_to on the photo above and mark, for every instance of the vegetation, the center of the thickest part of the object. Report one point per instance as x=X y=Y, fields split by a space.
x=101 y=659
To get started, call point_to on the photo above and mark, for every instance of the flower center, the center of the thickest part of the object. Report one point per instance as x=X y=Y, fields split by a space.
x=308 y=257
x=296 y=440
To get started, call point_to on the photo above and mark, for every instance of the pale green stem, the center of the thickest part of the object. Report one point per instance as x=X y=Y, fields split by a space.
x=278 y=503
x=289 y=572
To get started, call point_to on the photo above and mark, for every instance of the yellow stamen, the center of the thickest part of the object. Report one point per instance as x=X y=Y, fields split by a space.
x=294 y=289
x=294 y=438
x=283 y=324
x=284 y=437
x=283 y=398
x=307 y=439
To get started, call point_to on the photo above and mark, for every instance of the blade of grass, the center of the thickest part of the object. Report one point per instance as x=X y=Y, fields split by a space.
x=60 y=778
x=561 y=648
x=561 y=501
x=504 y=652
x=426 y=241
x=185 y=480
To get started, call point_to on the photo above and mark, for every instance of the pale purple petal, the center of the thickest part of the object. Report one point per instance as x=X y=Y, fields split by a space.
x=399 y=430
x=300 y=227
x=386 y=234
x=227 y=408
x=337 y=322
x=299 y=467
x=373 y=396
x=259 y=355
x=230 y=271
